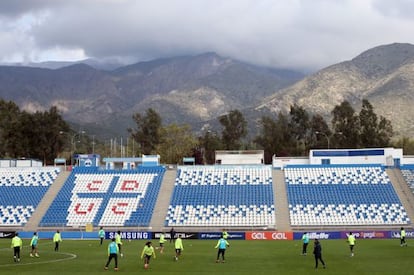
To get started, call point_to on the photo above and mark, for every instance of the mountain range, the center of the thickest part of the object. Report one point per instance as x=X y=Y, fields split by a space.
x=384 y=75
x=187 y=89
x=197 y=89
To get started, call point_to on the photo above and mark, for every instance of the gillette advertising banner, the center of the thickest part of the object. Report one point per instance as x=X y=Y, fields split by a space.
x=320 y=235
x=329 y=235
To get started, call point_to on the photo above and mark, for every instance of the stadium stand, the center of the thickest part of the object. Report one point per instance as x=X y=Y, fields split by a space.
x=106 y=198
x=222 y=196
x=21 y=189
x=408 y=174
x=342 y=195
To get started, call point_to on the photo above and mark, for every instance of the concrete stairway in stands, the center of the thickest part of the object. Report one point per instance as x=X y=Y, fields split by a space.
x=163 y=201
x=47 y=200
x=281 y=202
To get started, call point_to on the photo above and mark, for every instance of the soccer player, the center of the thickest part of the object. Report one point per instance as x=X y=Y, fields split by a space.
x=162 y=242
x=101 y=234
x=402 y=237
x=222 y=244
x=224 y=234
x=317 y=251
x=351 y=241
x=119 y=242
x=146 y=254
x=172 y=234
x=178 y=247
x=17 y=245
x=33 y=244
x=57 y=238
x=113 y=251
x=305 y=242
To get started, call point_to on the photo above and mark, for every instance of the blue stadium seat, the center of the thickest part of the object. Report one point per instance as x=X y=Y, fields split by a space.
x=222 y=196
x=106 y=197
x=408 y=174
x=21 y=190
x=342 y=195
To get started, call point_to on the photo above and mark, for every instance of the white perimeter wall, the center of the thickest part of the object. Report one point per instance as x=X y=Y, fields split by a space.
x=387 y=159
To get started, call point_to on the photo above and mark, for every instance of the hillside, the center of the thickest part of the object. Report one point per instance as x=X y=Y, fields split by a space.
x=197 y=89
x=187 y=89
x=384 y=75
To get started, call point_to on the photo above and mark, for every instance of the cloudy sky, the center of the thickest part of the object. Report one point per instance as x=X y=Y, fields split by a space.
x=298 y=34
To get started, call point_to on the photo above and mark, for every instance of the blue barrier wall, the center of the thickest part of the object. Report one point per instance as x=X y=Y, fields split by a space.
x=141 y=235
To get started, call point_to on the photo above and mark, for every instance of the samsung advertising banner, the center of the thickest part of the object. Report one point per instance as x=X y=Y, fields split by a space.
x=130 y=235
x=217 y=235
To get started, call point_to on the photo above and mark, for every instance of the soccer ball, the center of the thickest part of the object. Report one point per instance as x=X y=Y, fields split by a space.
x=146 y=266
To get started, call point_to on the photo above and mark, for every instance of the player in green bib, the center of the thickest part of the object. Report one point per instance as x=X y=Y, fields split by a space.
x=178 y=247
x=17 y=245
x=162 y=242
x=119 y=242
x=402 y=237
x=146 y=254
x=224 y=234
x=57 y=239
x=351 y=242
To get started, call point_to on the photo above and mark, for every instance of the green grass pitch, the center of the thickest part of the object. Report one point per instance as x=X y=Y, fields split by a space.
x=242 y=257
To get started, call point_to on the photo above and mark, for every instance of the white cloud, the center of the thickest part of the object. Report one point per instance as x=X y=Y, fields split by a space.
x=396 y=8
x=290 y=33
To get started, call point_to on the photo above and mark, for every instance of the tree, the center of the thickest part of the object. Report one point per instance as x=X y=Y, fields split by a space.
x=269 y=137
x=321 y=133
x=345 y=124
x=374 y=133
x=177 y=142
x=209 y=142
x=299 y=128
x=51 y=141
x=369 y=125
x=406 y=144
x=30 y=135
x=9 y=129
x=385 y=132
x=147 y=132
x=284 y=137
x=41 y=134
x=235 y=129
